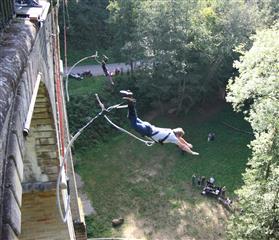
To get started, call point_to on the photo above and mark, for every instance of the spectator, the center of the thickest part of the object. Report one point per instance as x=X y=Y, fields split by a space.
x=193 y=180
x=211 y=137
x=199 y=181
x=203 y=181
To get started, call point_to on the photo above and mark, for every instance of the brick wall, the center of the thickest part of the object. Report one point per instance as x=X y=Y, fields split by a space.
x=41 y=156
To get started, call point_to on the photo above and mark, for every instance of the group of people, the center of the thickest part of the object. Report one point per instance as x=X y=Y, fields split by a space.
x=209 y=188
x=80 y=76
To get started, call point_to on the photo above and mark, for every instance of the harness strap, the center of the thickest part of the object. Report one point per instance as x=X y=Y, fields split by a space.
x=164 y=139
x=153 y=134
x=160 y=140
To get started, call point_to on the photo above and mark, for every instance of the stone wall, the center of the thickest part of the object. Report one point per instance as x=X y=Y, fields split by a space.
x=40 y=219
x=30 y=163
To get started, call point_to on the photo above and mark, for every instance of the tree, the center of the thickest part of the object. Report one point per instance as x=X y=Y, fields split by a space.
x=123 y=20
x=256 y=90
x=87 y=26
x=190 y=45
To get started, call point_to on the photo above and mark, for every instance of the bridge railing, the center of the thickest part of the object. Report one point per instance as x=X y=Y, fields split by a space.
x=6 y=12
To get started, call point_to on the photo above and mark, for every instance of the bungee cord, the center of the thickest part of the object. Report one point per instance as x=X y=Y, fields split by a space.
x=94 y=56
x=63 y=163
x=148 y=143
x=61 y=168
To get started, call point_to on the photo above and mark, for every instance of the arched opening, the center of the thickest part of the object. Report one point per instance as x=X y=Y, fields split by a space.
x=40 y=217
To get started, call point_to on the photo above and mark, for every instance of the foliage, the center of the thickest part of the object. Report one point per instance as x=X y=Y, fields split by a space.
x=256 y=90
x=187 y=46
x=86 y=26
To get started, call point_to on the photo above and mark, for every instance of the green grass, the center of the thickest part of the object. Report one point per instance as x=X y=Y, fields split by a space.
x=151 y=186
x=86 y=86
x=123 y=175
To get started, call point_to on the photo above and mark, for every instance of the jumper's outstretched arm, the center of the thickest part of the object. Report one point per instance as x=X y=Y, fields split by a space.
x=183 y=145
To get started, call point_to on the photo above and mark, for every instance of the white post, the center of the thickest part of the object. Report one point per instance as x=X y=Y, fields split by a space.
x=31 y=106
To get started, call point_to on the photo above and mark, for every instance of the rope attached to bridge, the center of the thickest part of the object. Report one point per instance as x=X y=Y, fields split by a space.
x=148 y=143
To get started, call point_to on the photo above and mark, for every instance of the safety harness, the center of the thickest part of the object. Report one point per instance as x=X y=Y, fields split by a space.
x=161 y=140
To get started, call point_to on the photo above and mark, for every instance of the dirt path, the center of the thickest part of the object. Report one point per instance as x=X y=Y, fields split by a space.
x=96 y=70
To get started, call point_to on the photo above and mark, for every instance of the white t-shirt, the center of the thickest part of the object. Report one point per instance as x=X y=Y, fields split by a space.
x=162 y=133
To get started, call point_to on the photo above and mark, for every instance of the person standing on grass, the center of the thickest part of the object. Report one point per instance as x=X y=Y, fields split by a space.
x=159 y=135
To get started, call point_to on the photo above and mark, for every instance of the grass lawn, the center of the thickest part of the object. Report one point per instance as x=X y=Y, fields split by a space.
x=150 y=187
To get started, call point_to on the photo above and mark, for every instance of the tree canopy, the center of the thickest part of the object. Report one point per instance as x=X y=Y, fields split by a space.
x=256 y=91
x=188 y=45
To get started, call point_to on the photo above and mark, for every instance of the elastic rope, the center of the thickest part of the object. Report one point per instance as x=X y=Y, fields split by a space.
x=68 y=73
x=147 y=143
x=63 y=162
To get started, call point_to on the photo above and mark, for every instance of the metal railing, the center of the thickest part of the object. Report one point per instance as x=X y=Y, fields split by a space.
x=6 y=12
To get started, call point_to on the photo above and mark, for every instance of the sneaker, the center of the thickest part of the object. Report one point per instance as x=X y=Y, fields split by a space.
x=126 y=93
x=105 y=59
x=195 y=153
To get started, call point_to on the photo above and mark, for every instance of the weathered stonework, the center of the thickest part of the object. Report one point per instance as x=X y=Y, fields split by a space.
x=29 y=164
x=39 y=215
x=13 y=57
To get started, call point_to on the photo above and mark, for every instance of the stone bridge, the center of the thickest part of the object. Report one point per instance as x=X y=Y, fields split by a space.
x=34 y=134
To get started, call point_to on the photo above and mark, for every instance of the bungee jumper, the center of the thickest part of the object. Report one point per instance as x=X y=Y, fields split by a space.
x=157 y=134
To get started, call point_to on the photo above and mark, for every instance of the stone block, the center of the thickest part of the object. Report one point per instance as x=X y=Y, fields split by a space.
x=80 y=230
x=12 y=181
x=17 y=128
x=25 y=87
x=41 y=115
x=11 y=211
x=47 y=141
x=15 y=154
x=20 y=109
x=8 y=233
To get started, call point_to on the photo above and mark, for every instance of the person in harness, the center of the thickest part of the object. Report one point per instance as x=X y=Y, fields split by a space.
x=157 y=134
